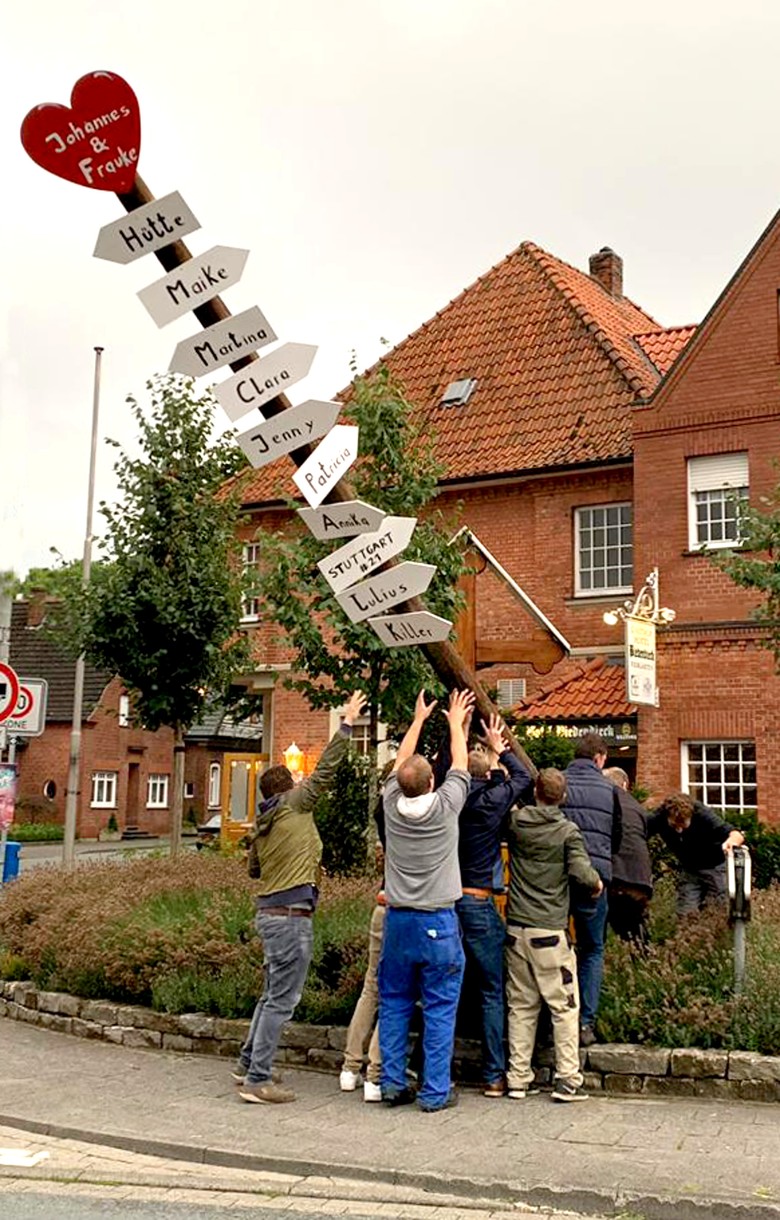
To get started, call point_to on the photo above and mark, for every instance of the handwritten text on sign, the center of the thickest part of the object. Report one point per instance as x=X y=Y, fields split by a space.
x=222 y=343
x=420 y=627
x=265 y=380
x=385 y=590
x=194 y=282
x=146 y=229
x=365 y=554
x=272 y=438
x=342 y=520
x=330 y=461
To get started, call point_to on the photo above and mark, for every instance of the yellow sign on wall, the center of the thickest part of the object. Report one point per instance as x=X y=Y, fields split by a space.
x=640 y=662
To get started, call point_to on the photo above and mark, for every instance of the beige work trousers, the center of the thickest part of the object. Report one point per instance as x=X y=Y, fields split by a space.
x=364 y=1017
x=541 y=965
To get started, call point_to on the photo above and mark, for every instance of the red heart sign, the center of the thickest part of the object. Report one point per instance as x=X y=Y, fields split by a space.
x=96 y=141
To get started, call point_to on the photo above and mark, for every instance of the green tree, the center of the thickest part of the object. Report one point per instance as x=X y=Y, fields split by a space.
x=397 y=472
x=756 y=565
x=164 y=616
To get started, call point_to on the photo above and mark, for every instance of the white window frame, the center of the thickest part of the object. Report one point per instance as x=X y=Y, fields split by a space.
x=706 y=793
x=251 y=559
x=157 y=789
x=509 y=692
x=215 y=786
x=723 y=476
x=189 y=791
x=124 y=711
x=104 y=789
x=605 y=590
x=384 y=749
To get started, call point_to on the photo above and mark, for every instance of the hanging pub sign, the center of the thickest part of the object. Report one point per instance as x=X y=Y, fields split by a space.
x=640 y=661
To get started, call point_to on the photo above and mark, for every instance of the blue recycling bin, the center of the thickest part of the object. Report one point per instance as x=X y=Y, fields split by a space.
x=11 y=862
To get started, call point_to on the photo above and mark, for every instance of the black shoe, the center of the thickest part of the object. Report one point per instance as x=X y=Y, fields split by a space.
x=402 y=1097
x=564 y=1090
x=587 y=1035
x=452 y=1100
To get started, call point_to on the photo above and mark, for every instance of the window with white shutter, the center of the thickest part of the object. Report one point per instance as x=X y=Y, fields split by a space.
x=718 y=487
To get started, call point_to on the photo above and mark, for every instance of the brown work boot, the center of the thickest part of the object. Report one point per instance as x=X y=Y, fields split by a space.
x=267 y=1091
x=238 y=1074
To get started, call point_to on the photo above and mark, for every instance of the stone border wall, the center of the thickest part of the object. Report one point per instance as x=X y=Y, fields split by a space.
x=614 y=1069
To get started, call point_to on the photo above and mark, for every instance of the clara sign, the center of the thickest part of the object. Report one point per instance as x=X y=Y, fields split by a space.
x=265 y=379
x=640 y=661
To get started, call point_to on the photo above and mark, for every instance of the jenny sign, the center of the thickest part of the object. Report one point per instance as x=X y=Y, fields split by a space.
x=640 y=662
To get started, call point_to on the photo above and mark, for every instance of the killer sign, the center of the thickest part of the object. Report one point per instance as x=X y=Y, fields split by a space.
x=403 y=630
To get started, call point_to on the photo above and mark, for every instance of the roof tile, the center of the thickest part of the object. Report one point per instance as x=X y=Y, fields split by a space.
x=594 y=690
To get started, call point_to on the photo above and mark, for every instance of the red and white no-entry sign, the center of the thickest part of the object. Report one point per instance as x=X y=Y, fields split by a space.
x=9 y=691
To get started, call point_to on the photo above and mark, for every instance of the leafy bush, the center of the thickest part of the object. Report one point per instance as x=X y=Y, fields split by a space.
x=547 y=750
x=31 y=809
x=680 y=992
x=36 y=832
x=177 y=935
x=764 y=844
x=342 y=817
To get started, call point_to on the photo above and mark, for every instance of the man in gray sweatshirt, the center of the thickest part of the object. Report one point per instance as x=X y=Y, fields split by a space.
x=422 y=956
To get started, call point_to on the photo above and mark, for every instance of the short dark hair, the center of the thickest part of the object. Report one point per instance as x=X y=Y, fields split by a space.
x=550 y=786
x=414 y=775
x=276 y=780
x=589 y=745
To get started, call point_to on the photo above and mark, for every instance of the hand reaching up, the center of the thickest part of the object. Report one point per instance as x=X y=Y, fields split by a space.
x=461 y=705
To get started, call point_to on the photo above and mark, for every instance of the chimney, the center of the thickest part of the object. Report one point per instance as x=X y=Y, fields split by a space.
x=606 y=268
x=38 y=601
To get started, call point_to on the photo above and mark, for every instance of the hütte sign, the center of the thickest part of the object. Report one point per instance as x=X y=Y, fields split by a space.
x=94 y=142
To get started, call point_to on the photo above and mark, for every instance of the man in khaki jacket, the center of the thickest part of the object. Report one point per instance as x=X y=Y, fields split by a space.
x=285 y=855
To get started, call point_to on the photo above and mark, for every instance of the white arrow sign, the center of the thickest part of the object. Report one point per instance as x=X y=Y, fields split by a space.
x=385 y=590
x=294 y=427
x=342 y=520
x=363 y=555
x=194 y=282
x=265 y=379
x=29 y=715
x=332 y=458
x=221 y=343
x=420 y=627
x=145 y=230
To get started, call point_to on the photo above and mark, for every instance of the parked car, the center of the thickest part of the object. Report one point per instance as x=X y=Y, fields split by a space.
x=210 y=830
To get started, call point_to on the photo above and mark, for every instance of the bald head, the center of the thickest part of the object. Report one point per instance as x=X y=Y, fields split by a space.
x=618 y=777
x=415 y=776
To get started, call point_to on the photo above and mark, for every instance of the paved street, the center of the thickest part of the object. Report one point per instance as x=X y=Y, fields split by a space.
x=88 y=852
x=657 y=1158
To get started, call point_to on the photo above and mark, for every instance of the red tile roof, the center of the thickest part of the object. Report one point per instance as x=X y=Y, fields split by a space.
x=664 y=346
x=594 y=690
x=556 y=365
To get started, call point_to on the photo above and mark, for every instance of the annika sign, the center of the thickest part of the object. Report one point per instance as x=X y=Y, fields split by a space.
x=96 y=141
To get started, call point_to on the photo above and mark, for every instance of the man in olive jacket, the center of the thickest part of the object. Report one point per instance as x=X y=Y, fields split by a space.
x=547 y=852
x=285 y=854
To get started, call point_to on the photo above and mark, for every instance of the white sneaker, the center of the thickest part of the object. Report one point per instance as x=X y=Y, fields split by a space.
x=371 y=1091
x=349 y=1081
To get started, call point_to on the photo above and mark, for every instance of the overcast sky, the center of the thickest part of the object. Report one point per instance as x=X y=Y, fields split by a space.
x=375 y=156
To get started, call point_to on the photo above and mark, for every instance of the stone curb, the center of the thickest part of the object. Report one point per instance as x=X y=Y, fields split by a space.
x=469 y=1192
x=610 y=1068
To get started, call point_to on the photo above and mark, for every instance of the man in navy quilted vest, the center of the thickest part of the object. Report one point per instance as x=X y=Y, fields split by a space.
x=592 y=804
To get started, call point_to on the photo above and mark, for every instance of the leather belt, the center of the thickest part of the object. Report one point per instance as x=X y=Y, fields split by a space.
x=301 y=912
x=475 y=893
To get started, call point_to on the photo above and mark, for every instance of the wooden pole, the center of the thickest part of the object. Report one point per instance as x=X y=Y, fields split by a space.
x=443 y=657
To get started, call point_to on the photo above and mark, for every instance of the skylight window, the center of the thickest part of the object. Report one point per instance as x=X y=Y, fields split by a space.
x=458 y=393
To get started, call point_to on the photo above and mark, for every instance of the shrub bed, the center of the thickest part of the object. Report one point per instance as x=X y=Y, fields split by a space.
x=174 y=935
x=36 y=832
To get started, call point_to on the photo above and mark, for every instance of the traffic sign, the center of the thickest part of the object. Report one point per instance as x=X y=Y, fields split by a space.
x=342 y=520
x=145 y=230
x=330 y=461
x=363 y=555
x=385 y=590
x=419 y=627
x=9 y=690
x=294 y=427
x=29 y=715
x=265 y=379
x=198 y=280
x=221 y=343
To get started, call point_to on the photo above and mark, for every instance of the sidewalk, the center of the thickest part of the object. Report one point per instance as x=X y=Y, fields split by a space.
x=649 y=1157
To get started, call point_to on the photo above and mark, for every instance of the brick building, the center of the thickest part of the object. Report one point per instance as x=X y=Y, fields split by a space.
x=587 y=445
x=124 y=770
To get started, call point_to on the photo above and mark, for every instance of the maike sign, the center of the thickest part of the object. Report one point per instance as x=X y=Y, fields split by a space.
x=265 y=379
x=294 y=427
x=364 y=554
x=222 y=343
x=386 y=589
x=342 y=520
x=194 y=282
x=145 y=230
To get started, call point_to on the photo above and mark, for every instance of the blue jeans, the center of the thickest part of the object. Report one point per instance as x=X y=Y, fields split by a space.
x=483 y=939
x=590 y=928
x=695 y=890
x=422 y=958
x=287 y=948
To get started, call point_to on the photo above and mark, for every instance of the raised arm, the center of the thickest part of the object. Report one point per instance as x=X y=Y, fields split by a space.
x=461 y=703
x=408 y=746
x=306 y=794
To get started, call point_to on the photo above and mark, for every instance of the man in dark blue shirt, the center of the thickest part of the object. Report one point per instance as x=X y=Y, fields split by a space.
x=700 y=840
x=498 y=781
